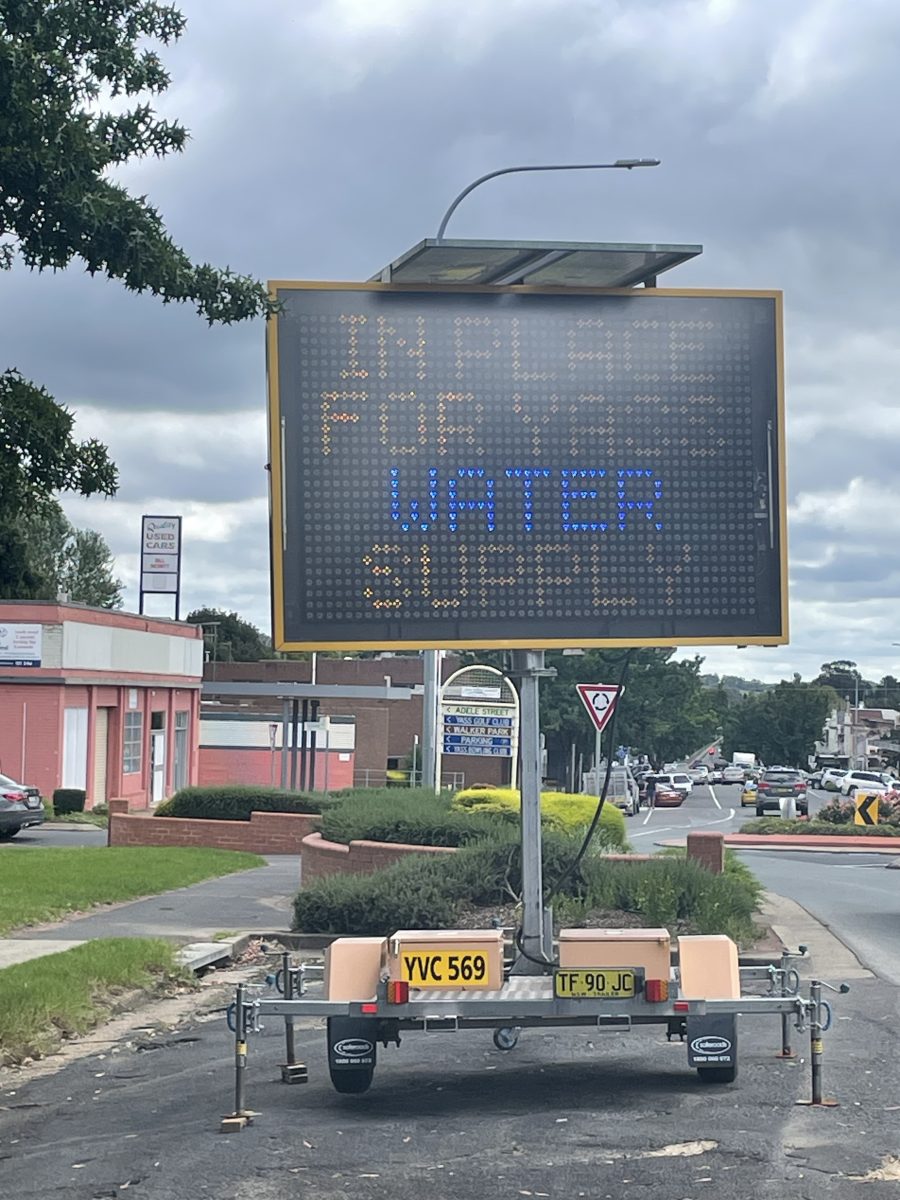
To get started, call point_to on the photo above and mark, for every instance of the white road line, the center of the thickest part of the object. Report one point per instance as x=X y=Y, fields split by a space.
x=715 y=798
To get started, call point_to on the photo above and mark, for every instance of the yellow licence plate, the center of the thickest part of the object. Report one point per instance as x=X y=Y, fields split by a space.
x=587 y=983
x=445 y=968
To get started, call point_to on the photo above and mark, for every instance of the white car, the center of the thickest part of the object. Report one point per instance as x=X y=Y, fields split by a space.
x=733 y=774
x=830 y=778
x=867 y=781
x=677 y=781
x=699 y=774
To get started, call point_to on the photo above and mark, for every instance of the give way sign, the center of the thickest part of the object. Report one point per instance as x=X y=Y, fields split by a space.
x=600 y=700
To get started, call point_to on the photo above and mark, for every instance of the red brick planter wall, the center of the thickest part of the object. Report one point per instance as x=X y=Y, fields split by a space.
x=320 y=857
x=264 y=833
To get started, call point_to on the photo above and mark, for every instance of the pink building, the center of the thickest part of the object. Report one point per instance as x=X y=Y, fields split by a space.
x=100 y=700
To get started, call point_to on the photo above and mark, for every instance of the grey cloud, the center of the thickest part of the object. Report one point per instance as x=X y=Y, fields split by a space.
x=329 y=136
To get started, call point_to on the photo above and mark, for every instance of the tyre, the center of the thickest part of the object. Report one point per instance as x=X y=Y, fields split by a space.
x=760 y=811
x=717 y=1074
x=6 y=834
x=353 y=1081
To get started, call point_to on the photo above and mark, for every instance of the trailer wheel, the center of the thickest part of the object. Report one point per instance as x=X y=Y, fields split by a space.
x=718 y=1074
x=352 y=1082
x=506 y=1038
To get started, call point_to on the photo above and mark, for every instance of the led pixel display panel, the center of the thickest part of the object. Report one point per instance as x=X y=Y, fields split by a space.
x=514 y=467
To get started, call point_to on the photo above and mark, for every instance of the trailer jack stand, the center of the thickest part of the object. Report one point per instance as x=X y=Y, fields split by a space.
x=816 y=1049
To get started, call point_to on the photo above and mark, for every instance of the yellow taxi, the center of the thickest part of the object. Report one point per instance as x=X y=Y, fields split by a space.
x=748 y=793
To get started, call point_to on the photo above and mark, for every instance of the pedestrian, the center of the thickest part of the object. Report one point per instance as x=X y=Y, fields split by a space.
x=651 y=791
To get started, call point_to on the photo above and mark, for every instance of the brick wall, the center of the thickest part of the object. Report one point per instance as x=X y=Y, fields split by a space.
x=320 y=857
x=238 y=764
x=264 y=833
x=707 y=850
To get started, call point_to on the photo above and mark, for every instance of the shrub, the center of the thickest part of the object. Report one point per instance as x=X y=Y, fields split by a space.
x=677 y=894
x=836 y=812
x=423 y=820
x=235 y=802
x=568 y=813
x=413 y=894
x=490 y=872
x=772 y=825
x=68 y=800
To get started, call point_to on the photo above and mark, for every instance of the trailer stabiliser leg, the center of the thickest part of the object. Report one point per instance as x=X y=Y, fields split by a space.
x=291 y=1070
x=242 y=1116
x=818 y=1008
x=790 y=982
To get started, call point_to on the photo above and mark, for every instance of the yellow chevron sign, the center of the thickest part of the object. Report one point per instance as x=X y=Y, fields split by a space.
x=866 y=808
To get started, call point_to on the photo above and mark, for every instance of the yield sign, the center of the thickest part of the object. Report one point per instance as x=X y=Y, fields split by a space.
x=600 y=700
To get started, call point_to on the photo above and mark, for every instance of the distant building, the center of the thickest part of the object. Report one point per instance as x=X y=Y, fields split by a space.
x=105 y=701
x=385 y=729
x=861 y=736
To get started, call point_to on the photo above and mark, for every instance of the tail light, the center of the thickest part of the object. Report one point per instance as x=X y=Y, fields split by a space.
x=681 y=1006
x=656 y=991
x=763 y=787
x=397 y=991
x=799 y=787
x=16 y=797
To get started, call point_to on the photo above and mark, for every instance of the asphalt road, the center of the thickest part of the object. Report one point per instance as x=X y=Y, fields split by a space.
x=60 y=835
x=567 y=1114
x=856 y=896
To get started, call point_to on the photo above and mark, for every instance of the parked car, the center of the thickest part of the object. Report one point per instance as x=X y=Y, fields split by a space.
x=777 y=784
x=733 y=774
x=20 y=807
x=623 y=791
x=867 y=781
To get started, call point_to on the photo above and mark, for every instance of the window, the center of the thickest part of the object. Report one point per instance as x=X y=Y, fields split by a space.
x=133 y=742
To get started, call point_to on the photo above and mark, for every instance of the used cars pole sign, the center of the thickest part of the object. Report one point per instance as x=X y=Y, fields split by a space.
x=511 y=467
x=600 y=701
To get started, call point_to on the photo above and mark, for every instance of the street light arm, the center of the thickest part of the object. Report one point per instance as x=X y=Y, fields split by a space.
x=626 y=164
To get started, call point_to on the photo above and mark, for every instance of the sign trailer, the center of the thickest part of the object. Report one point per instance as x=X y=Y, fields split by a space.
x=454 y=465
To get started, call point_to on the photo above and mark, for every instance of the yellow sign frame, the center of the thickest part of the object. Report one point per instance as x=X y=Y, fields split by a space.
x=277 y=469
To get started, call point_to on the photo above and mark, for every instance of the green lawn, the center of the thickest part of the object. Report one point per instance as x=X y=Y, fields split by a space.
x=47 y=999
x=45 y=884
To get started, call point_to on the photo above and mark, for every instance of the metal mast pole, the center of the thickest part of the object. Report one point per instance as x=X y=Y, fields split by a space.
x=536 y=943
x=431 y=668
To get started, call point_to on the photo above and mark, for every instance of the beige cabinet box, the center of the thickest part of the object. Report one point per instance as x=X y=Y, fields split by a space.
x=353 y=967
x=647 y=948
x=708 y=967
x=447 y=958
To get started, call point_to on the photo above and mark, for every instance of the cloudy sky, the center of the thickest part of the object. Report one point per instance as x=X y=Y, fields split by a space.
x=328 y=136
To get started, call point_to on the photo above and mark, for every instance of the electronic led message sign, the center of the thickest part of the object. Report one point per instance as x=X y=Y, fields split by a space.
x=512 y=467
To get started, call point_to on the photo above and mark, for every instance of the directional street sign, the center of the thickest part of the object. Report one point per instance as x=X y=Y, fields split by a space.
x=600 y=700
x=866 y=808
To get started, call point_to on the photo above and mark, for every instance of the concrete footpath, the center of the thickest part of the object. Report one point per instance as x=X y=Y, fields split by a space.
x=246 y=902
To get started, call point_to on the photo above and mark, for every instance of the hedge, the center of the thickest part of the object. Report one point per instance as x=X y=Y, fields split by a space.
x=567 y=812
x=235 y=802
x=416 y=816
x=770 y=825
x=427 y=893
x=68 y=800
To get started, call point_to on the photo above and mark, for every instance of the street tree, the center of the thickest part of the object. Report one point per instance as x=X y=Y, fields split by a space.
x=228 y=637
x=781 y=725
x=59 y=146
x=65 y=561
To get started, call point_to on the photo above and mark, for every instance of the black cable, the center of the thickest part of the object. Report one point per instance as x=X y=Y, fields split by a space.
x=592 y=828
x=623 y=675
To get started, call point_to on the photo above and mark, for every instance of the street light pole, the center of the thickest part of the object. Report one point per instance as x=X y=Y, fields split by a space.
x=621 y=164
